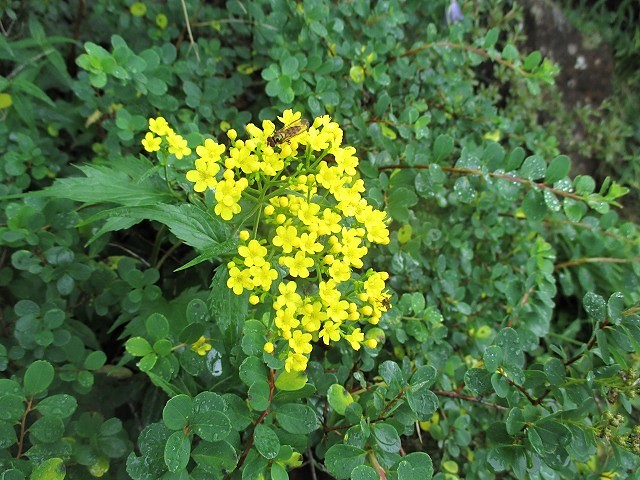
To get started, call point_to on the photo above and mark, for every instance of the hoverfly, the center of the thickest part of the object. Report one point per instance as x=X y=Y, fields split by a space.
x=287 y=132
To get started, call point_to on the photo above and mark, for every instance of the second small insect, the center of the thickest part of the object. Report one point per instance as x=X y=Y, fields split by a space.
x=287 y=132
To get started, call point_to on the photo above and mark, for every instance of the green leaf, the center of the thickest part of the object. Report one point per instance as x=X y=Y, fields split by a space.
x=357 y=74
x=364 y=472
x=32 y=90
x=615 y=307
x=584 y=184
x=47 y=429
x=340 y=460
x=500 y=384
x=252 y=343
x=515 y=421
x=191 y=333
x=386 y=437
x=424 y=376
x=422 y=402
x=491 y=38
x=595 y=306
x=555 y=371
x=442 y=148
x=416 y=465
x=194 y=226
x=510 y=52
x=8 y=435
x=392 y=375
x=266 y=441
x=492 y=358
x=251 y=370
x=291 y=381
x=512 y=354
x=533 y=168
x=297 y=418
x=534 y=206
x=138 y=347
x=177 y=411
x=157 y=326
x=51 y=469
x=216 y=458
x=532 y=60
x=558 y=169
x=177 y=451
x=290 y=66
x=61 y=406
x=478 y=380
x=95 y=360
x=120 y=182
x=258 y=395
x=211 y=425
x=38 y=377
x=339 y=399
x=278 y=472
x=227 y=307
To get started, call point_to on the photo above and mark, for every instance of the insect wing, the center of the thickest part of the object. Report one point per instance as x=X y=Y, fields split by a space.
x=289 y=131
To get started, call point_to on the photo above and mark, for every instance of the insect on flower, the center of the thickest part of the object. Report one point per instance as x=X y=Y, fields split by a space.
x=287 y=132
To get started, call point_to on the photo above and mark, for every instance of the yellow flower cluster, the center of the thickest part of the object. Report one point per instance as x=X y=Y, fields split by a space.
x=176 y=144
x=310 y=231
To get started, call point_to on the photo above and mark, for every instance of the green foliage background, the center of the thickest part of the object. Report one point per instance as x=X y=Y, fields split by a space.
x=512 y=348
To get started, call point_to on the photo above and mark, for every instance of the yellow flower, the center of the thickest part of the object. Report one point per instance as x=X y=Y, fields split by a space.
x=269 y=347
x=159 y=126
x=286 y=238
x=330 y=332
x=178 y=145
x=295 y=362
x=151 y=143
x=204 y=175
x=355 y=338
x=300 y=342
x=201 y=347
x=253 y=253
x=239 y=280
x=210 y=151
x=299 y=265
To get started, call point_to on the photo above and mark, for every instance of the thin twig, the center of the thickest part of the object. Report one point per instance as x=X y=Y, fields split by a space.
x=579 y=261
x=459 y=396
x=191 y=40
x=312 y=464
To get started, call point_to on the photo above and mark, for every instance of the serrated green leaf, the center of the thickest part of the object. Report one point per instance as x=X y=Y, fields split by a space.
x=227 y=307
